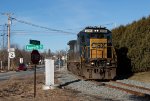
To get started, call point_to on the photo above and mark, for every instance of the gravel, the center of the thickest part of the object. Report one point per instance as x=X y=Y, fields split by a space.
x=70 y=81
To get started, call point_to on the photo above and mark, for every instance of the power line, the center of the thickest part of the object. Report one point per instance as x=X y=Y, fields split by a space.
x=31 y=32
x=51 y=29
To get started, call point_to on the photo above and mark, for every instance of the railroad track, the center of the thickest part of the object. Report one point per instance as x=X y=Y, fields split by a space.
x=128 y=88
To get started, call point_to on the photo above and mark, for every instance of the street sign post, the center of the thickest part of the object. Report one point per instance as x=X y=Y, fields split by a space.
x=31 y=47
x=35 y=57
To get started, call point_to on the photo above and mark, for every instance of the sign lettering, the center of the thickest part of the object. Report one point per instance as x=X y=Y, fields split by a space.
x=31 y=47
x=99 y=45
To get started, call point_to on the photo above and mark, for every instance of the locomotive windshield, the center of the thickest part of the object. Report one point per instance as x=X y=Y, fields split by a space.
x=96 y=35
x=85 y=37
x=100 y=35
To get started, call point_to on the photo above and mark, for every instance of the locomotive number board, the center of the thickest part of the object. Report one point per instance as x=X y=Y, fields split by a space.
x=96 y=30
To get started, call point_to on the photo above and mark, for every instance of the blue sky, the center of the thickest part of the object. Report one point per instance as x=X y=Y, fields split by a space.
x=67 y=15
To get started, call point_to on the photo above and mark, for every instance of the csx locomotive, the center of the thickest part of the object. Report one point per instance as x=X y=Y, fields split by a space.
x=92 y=55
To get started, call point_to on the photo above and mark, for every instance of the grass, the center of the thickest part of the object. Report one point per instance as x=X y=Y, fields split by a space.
x=143 y=77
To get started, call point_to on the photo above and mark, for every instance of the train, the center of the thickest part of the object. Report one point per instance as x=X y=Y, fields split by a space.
x=92 y=54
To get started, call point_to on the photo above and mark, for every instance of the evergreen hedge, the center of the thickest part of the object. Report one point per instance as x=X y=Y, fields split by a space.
x=135 y=37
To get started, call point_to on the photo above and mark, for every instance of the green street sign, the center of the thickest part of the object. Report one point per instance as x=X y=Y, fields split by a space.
x=34 y=42
x=36 y=47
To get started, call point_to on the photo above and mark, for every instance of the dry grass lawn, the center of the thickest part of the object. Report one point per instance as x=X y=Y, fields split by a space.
x=143 y=77
x=21 y=89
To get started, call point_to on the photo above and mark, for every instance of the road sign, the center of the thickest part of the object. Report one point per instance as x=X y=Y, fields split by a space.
x=11 y=54
x=11 y=49
x=34 y=42
x=35 y=57
x=36 y=47
x=21 y=60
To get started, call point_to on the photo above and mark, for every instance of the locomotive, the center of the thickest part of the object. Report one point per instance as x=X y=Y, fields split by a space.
x=92 y=55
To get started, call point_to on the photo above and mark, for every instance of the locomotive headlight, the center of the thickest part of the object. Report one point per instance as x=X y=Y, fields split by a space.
x=108 y=63
x=92 y=63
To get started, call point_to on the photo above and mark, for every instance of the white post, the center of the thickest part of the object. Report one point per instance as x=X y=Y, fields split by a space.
x=49 y=75
x=21 y=60
x=49 y=72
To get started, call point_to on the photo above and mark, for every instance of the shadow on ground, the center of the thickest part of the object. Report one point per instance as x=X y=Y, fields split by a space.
x=67 y=83
x=140 y=98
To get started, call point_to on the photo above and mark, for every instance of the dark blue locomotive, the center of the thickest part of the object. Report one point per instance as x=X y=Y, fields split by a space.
x=92 y=55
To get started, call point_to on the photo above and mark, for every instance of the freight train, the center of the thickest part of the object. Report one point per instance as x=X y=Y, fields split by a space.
x=92 y=54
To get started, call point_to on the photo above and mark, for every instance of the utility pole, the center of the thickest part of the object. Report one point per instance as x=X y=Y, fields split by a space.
x=8 y=34
x=2 y=42
x=59 y=61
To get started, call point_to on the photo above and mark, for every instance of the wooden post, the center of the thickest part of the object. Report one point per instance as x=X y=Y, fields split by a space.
x=34 y=80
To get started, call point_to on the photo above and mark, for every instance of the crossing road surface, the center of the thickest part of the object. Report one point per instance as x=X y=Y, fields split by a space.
x=39 y=69
x=7 y=75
